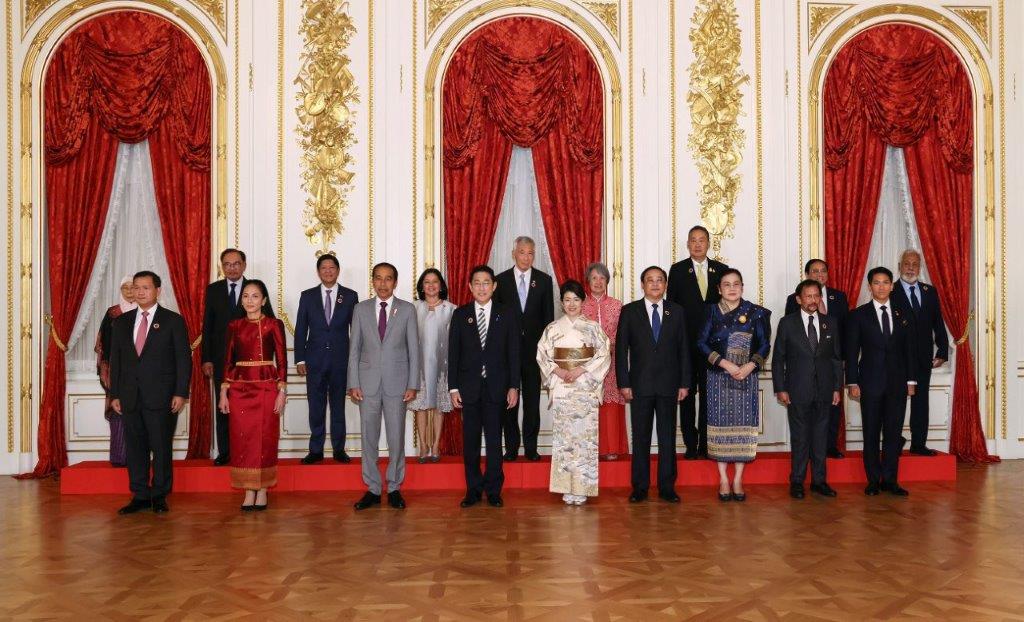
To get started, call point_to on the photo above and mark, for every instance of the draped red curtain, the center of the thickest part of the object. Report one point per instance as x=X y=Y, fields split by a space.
x=900 y=85
x=529 y=82
x=122 y=77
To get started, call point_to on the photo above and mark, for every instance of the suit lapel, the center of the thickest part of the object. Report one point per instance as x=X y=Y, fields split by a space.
x=392 y=316
x=646 y=319
x=154 y=323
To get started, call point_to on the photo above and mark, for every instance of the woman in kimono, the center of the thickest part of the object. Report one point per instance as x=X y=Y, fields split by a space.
x=253 y=395
x=118 y=443
x=603 y=309
x=434 y=315
x=735 y=339
x=573 y=355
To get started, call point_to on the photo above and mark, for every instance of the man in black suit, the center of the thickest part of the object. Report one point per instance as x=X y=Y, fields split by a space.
x=528 y=293
x=483 y=377
x=807 y=374
x=835 y=305
x=150 y=368
x=881 y=371
x=693 y=284
x=920 y=301
x=653 y=372
x=223 y=304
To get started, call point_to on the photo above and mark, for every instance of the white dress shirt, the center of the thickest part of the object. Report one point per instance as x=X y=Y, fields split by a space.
x=149 y=321
x=388 y=310
x=817 y=321
x=892 y=321
x=649 y=305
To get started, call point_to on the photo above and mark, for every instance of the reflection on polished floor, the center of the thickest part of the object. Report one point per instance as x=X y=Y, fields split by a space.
x=949 y=551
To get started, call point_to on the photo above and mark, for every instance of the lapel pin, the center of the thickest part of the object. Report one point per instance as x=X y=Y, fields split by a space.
x=691 y=270
x=338 y=300
x=533 y=283
x=469 y=320
x=711 y=269
x=831 y=296
x=667 y=313
x=743 y=319
x=156 y=326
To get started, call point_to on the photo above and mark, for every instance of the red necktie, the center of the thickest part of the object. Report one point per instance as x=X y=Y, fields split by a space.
x=382 y=320
x=140 y=337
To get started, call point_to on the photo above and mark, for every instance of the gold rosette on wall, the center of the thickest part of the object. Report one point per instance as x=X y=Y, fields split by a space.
x=327 y=91
x=715 y=104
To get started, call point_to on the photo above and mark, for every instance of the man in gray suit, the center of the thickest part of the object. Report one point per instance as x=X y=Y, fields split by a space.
x=383 y=373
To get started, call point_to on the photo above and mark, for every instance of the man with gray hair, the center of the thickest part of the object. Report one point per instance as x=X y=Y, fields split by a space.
x=920 y=301
x=531 y=293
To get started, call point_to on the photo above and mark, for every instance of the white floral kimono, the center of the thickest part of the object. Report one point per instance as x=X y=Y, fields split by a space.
x=574 y=406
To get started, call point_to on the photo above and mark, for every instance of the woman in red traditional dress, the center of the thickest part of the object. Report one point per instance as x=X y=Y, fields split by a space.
x=118 y=442
x=603 y=309
x=253 y=395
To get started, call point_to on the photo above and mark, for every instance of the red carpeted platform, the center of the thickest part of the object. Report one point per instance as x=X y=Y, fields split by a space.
x=202 y=476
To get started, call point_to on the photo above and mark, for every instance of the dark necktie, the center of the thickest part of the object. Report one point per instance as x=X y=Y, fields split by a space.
x=886 y=325
x=382 y=320
x=655 y=322
x=234 y=301
x=812 y=333
x=915 y=304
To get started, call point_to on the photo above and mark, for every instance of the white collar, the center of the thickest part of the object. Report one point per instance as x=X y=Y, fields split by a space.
x=519 y=272
x=806 y=315
x=649 y=303
x=324 y=289
x=151 y=310
x=238 y=282
x=388 y=301
x=486 y=307
x=699 y=263
x=878 y=305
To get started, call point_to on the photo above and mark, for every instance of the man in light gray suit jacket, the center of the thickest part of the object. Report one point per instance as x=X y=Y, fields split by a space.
x=383 y=374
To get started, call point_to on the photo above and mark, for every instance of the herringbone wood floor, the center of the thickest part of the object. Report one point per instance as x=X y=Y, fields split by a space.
x=948 y=552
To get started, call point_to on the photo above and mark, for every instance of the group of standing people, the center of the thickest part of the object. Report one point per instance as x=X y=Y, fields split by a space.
x=691 y=344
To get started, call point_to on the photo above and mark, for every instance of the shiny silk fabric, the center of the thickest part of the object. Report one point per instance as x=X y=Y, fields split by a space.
x=255 y=368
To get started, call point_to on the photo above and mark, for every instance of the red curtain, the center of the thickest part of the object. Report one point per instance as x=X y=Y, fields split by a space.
x=900 y=85
x=529 y=82
x=122 y=77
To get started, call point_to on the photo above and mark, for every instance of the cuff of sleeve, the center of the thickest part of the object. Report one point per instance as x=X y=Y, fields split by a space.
x=758 y=360
x=911 y=383
x=297 y=363
x=453 y=390
x=713 y=358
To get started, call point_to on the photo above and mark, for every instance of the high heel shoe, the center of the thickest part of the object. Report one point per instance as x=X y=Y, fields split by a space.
x=260 y=508
x=724 y=496
x=739 y=496
x=250 y=506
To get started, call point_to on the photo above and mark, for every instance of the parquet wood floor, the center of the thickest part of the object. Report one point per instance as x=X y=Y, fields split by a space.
x=949 y=551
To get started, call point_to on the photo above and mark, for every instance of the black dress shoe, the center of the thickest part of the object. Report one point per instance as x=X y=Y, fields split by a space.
x=797 y=490
x=669 y=496
x=533 y=456
x=160 y=506
x=369 y=500
x=395 y=500
x=312 y=458
x=135 y=505
x=469 y=501
x=894 y=489
x=823 y=489
x=222 y=460
x=510 y=457
x=923 y=451
x=703 y=454
x=835 y=453
x=637 y=496
x=739 y=496
x=872 y=489
x=495 y=501
x=690 y=455
x=342 y=457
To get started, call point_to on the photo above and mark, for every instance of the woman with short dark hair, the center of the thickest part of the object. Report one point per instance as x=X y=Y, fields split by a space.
x=434 y=314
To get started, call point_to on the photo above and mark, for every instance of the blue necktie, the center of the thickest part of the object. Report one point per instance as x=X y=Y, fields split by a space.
x=915 y=304
x=522 y=292
x=234 y=301
x=655 y=322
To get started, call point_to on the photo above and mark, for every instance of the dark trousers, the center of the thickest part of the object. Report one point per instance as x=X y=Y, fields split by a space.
x=919 y=411
x=835 y=418
x=223 y=438
x=647 y=413
x=882 y=416
x=530 y=399
x=694 y=424
x=149 y=432
x=482 y=415
x=808 y=429
x=325 y=386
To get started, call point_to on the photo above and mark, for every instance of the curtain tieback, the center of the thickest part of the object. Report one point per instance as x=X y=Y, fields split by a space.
x=53 y=333
x=967 y=329
x=195 y=344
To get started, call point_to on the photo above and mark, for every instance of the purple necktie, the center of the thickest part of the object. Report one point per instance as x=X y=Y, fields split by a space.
x=382 y=320
x=328 y=307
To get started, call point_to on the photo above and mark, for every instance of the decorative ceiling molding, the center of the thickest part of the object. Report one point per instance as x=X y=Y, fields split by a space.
x=214 y=9
x=606 y=11
x=819 y=15
x=979 y=18
x=438 y=10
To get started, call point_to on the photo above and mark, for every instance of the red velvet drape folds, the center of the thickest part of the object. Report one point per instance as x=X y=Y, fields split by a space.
x=900 y=85
x=122 y=77
x=529 y=82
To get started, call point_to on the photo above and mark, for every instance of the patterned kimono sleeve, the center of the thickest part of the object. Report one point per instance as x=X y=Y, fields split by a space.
x=546 y=356
x=597 y=367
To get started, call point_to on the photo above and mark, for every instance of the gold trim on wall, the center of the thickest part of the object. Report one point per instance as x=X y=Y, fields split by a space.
x=9 y=142
x=63 y=21
x=672 y=125
x=429 y=207
x=1002 y=210
x=632 y=174
x=943 y=27
x=819 y=16
x=282 y=312
x=213 y=9
x=759 y=150
x=459 y=29
x=799 y=141
x=979 y=18
x=237 y=121
x=370 y=155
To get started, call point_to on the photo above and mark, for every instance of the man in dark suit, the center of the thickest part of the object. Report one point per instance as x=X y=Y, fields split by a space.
x=483 y=377
x=652 y=368
x=881 y=371
x=529 y=293
x=150 y=368
x=807 y=374
x=223 y=304
x=693 y=284
x=920 y=301
x=321 y=355
x=835 y=305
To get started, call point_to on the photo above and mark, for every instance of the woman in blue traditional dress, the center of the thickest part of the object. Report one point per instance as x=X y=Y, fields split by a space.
x=735 y=339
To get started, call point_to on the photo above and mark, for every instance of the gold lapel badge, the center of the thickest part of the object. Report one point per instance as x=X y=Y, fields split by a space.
x=743 y=319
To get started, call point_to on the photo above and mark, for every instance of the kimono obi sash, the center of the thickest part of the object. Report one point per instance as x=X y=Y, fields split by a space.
x=571 y=358
x=253 y=363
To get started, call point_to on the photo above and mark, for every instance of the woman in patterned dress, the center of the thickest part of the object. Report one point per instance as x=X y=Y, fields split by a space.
x=603 y=309
x=118 y=442
x=573 y=355
x=736 y=339
x=434 y=314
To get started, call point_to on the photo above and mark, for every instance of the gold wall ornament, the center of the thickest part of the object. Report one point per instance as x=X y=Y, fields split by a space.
x=327 y=91
x=9 y=143
x=437 y=10
x=819 y=15
x=715 y=104
x=32 y=10
x=979 y=18
x=608 y=12
x=214 y=9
